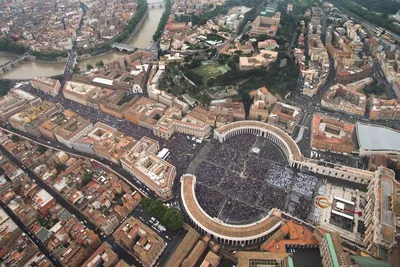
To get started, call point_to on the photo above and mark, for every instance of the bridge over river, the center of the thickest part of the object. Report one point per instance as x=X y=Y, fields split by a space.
x=12 y=63
x=157 y=4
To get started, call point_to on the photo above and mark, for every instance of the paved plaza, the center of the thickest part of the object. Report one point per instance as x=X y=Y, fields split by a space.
x=241 y=180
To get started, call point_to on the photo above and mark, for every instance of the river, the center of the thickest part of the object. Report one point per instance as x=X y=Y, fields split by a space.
x=141 y=39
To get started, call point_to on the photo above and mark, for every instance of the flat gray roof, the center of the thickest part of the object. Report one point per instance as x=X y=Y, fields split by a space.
x=378 y=138
x=387 y=214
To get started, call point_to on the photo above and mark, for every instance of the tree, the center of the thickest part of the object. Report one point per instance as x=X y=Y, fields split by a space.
x=156 y=209
x=4 y=86
x=11 y=47
x=14 y=138
x=231 y=63
x=163 y=20
x=194 y=64
x=42 y=149
x=165 y=218
x=146 y=202
x=194 y=77
x=169 y=217
x=76 y=69
x=226 y=263
x=221 y=61
x=60 y=167
x=210 y=81
x=86 y=178
x=262 y=37
x=175 y=222
x=100 y=64
x=89 y=66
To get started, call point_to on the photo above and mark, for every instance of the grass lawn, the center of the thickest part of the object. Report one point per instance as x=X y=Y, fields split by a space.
x=210 y=71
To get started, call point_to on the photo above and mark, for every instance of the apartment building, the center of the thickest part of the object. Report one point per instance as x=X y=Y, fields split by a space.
x=263 y=59
x=266 y=24
x=139 y=240
x=330 y=134
x=285 y=116
x=384 y=109
x=145 y=112
x=117 y=103
x=173 y=122
x=142 y=162
x=262 y=100
x=72 y=130
x=48 y=127
x=332 y=252
x=15 y=101
x=47 y=85
x=29 y=120
x=382 y=213
x=79 y=92
x=344 y=99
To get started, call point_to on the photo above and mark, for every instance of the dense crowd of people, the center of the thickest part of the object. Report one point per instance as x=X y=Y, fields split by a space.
x=207 y=195
x=181 y=148
x=280 y=176
x=231 y=175
x=209 y=174
x=221 y=154
x=273 y=152
x=361 y=228
x=342 y=222
x=300 y=206
x=305 y=184
x=240 y=213
x=236 y=182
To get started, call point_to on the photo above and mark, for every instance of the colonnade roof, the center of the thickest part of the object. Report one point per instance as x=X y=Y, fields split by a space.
x=232 y=232
x=294 y=149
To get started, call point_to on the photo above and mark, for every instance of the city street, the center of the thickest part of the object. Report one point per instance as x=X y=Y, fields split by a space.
x=31 y=236
x=65 y=204
x=61 y=147
x=171 y=238
x=366 y=23
x=181 y=148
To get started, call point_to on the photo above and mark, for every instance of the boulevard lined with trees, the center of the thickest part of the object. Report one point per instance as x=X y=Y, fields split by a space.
x=376 y=12
x=163 y=20
x=169 y=217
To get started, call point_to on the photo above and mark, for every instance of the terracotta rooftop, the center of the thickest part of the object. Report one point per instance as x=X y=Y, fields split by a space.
x=298 y=235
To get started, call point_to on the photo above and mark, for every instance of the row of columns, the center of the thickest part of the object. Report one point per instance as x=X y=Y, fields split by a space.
x=331 y=172
x=255 y=131
x=230 y=242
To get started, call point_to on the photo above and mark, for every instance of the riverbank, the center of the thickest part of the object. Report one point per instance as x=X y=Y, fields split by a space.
x=133 y=33
x=7 y=54
x=64 y=60
x=84 y=57
x=30 y=68
x=15 y=56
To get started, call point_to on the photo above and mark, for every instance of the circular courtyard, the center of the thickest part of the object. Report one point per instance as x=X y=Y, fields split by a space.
x=240 y=180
